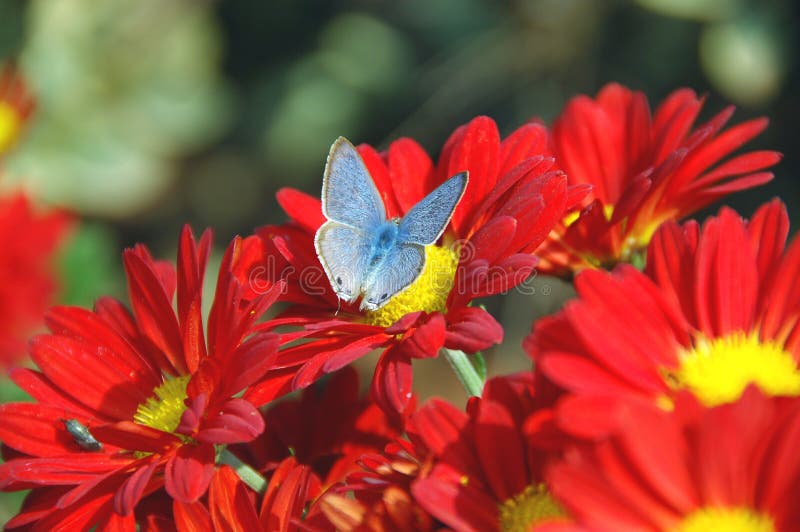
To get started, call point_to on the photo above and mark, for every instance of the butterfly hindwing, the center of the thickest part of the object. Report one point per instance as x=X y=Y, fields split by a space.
x=348 y=194
x=426 y=221
x=400 y=267
x=344 y=253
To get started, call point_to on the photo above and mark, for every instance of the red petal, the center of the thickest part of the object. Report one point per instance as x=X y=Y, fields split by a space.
x=527 y=141
x=472 y=329
x=727 y=279
x=135 y=437
x=427 y=339
x=500 y=450
x=189 y=472
x=234 y=421
x=36 y=429
x=128 y=496
x=82 y=369
x=153 y=308
x=460 y=507
x=231 y=506
x=392 y=382
x=476 y=151
x=410 y=169
x=381 y=177
x=302 y=208
x=191 y=516
x=286 y=495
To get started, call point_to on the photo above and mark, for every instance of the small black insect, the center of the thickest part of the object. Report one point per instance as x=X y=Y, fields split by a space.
x=81 y=435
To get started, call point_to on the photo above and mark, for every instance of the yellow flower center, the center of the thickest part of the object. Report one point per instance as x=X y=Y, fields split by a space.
x=718 y=370
x=427 y=293
x=726 y=520
x=531 y=506
x=163 y=411
x=10 y=125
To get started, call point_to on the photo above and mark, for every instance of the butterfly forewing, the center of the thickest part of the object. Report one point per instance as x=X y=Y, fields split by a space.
x=344 y=253
x=401 y=266
x=348 y=194
x=426 y=221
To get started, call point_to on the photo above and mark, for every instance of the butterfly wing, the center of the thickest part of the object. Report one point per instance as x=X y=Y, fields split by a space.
x=401 y=266
x=344 y=252
x=426 y=221
x=349 y=195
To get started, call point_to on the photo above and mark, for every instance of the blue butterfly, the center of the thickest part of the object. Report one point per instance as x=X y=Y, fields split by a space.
x=361 y=251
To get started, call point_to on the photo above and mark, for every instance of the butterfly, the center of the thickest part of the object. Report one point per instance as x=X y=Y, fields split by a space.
x=363 y=253
x=81 y=435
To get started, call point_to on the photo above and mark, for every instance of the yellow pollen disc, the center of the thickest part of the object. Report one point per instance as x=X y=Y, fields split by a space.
x=726 y=520
x=718 y=370
x=427 y=293
x=533 y=505
x=10 y=125
x=164 y=410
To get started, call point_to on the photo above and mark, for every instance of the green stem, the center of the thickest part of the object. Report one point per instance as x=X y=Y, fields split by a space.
x=249 y=476
x=465 y=371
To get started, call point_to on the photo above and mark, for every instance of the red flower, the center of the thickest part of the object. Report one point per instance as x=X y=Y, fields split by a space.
x=327 y=428
x=716 y=310
x=644 y=170
x=383 y=499
x=233 y=506
x=28 y=239
x=487 y=473
x=155 y=391
x=27 y=281
x=16 y=106
x=310 y=444
x=733 y=467
x=511 y=203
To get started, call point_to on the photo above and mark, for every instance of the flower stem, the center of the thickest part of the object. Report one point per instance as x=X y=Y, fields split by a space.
x=465 y=371
x=249 y=476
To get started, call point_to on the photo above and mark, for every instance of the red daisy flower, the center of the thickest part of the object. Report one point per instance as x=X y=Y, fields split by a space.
x=327 y=428
x=231 y=505
x=487 y=473
x=511 y=203
x=310 y=444
x=16 y=106
x=129 y=402
x=28 y=239
x=27 y=281
x=644 y=170
x=732 y=467
x=716 y=310
x=383 y=499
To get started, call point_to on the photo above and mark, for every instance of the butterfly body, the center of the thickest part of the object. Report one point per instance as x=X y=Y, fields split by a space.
x=362 y=252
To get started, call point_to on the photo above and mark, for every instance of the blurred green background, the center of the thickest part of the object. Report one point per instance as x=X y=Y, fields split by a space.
x=158 y=112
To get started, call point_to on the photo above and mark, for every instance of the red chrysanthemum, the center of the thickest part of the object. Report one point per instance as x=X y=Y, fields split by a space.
x=309 y=446
x=153 y=389
x=716 y=310
x=511 y=203
x=327 y=428
x=732 y=467
x=487 y=473
x=644 y=170
x=231 y=505
x=27 y=281
x=16 y=106
x=382 y=493
x=28 y=238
